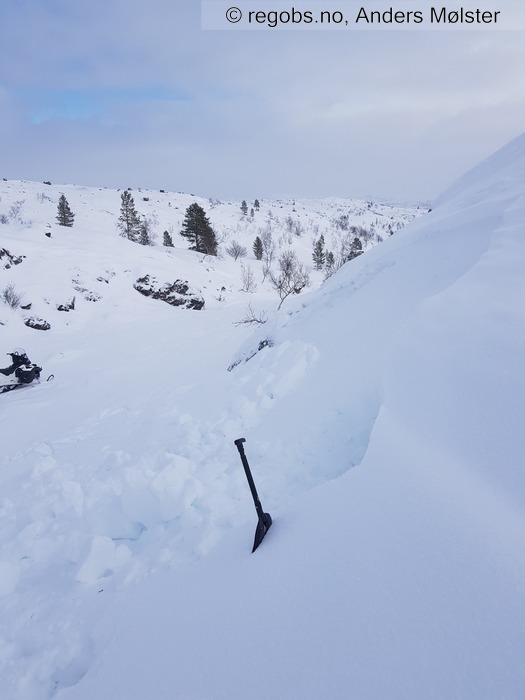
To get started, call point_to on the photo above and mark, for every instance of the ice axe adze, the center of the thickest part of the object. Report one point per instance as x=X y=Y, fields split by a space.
x=265 y=519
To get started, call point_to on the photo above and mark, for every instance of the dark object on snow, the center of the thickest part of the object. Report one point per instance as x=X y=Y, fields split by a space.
x=176 y=293
x=4 y=388
x=26 y=373
x=38 y=324
x=10 y=259
x=18 y=358
x=265 y=519
x=24 y=370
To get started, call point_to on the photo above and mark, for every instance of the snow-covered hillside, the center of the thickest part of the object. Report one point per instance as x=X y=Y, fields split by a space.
x=383 y=416
x=90 y=263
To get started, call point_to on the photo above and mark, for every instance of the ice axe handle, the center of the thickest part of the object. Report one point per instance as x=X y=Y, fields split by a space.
x=258 y=506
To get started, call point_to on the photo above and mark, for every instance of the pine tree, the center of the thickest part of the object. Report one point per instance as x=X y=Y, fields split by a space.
x=256 y=205
x=129 y=221
x=329 y=264
x=197 y=229
x=258 y=248
x=356 y=249
x=144 y=236
x=244 y=207
x=319 y=256
x=167 y=240
x=252 y=213
x=65 y=216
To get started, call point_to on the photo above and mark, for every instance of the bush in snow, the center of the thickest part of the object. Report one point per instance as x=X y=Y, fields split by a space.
x=11 y=297
x=253 y=317
x=13 y=214
x=268 y=248
x=291 y=278
x=247 y=279
x=236 y=250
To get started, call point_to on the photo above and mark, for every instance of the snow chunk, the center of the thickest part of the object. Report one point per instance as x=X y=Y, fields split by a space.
x=104 y=559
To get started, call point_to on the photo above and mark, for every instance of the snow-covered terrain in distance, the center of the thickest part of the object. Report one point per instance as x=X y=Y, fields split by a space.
x=383 y=414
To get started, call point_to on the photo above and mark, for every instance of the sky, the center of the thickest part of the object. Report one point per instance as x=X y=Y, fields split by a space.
x=119 y=93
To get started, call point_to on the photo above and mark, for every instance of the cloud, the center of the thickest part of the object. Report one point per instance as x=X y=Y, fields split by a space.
x=117 y=93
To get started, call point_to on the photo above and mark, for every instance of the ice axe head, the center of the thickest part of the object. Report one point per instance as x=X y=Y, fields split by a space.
x=263 y=525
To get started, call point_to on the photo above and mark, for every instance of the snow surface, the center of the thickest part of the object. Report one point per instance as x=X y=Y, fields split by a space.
x=383 y=418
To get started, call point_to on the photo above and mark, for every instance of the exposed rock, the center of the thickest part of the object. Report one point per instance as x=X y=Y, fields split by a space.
x=86 y=293
x=37 y=323
x=7 y=259
x=176 y=293
x=69 y=306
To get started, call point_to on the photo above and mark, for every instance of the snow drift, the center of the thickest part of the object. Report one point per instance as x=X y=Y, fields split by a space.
x=396 y=392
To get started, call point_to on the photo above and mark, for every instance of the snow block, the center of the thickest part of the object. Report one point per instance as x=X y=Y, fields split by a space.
x=104 y=559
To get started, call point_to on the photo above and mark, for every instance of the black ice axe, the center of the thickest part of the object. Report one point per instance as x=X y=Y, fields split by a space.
x=265 y=519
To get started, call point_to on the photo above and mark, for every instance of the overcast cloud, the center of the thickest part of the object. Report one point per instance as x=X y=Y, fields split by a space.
x=123 y=93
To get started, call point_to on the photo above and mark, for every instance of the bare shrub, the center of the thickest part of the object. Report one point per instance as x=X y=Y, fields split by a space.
x=236 y=250
x=11 y=297
x=268 y=249
x=253 y=317
x=247 y=279
x=292 y=277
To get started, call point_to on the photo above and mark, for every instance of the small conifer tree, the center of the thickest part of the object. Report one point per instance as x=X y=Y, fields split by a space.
x=144 y=236
x=258 y=248
x=318 y=255
x=65 y=216
x=129 y=222
x=329 y=265
x=244 y=207
x=256 y=205
x=167 y=239
x=196 y=228
x=356 y=249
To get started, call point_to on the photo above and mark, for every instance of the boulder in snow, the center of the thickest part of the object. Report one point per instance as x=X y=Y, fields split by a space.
x=176 y=293
x=37 y=323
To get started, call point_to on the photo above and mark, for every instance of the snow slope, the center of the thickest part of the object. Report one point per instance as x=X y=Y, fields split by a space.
x=402 y=577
